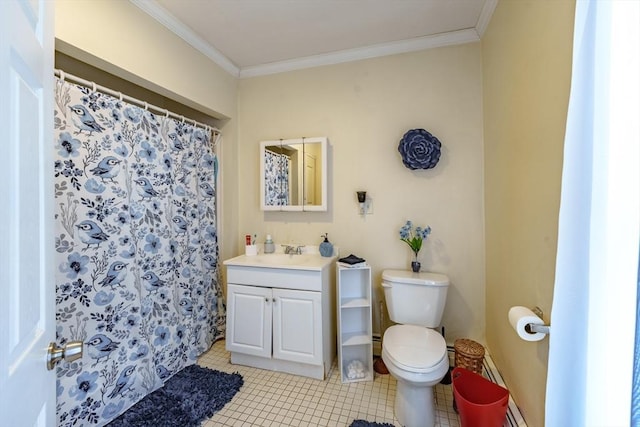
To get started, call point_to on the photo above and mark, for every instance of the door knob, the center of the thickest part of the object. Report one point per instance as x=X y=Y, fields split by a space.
x=70 y=352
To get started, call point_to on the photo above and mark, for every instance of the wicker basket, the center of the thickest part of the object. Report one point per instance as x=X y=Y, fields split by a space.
x=469 y=355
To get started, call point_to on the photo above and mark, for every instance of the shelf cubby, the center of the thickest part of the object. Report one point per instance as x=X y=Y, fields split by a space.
x=355 y=346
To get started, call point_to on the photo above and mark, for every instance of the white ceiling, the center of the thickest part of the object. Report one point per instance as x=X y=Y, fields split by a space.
x=255 y=37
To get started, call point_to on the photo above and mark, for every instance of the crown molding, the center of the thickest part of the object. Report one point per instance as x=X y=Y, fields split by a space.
x=403 y=46
x=485 y=16
x=166 y=19
x=348 y=55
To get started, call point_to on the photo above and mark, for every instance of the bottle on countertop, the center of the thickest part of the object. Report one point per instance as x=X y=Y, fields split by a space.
x=269 y=247
x=326 y=247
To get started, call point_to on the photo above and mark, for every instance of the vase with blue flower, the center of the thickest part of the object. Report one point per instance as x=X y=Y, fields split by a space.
x=414 y=239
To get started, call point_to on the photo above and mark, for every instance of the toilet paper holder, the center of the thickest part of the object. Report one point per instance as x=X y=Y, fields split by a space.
x=532 y=328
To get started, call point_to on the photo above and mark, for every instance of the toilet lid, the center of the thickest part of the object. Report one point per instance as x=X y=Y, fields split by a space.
x=414 y=348
x=422 y=278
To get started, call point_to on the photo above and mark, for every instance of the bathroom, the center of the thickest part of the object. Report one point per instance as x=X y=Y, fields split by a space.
x=492 y=201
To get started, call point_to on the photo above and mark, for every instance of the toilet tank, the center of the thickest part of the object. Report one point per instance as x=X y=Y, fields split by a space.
x=415 y=298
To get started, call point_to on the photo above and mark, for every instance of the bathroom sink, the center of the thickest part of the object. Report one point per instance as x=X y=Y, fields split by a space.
x=279 y=260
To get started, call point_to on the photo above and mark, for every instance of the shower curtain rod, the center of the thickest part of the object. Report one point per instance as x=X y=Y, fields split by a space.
x=96 y=87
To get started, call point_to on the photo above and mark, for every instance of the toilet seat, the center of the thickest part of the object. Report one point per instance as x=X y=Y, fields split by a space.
x=414 y=348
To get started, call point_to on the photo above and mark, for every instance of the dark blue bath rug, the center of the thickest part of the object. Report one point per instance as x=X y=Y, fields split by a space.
x=190 y=396
x=363 y=423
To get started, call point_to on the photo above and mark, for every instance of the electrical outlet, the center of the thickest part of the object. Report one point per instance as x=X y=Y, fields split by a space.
x=365 y=208
x=368 y=206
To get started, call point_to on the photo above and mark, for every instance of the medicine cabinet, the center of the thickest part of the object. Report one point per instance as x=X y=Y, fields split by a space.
x=293 y=174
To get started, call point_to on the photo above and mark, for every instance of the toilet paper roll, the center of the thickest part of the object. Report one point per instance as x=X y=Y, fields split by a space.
x=520 y=317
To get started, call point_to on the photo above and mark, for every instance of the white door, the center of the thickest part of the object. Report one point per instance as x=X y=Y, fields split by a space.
x=27 y=321
x=297 y=326
x=310 y=179
x=249 y=320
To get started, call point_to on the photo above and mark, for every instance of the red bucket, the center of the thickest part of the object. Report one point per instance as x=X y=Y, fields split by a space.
x=480 y=402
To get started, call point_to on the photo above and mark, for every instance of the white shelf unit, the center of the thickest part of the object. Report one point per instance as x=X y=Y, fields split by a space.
x=355 y=345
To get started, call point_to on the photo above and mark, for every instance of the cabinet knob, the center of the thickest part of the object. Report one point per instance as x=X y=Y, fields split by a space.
x=266 y=299
x=274 y=300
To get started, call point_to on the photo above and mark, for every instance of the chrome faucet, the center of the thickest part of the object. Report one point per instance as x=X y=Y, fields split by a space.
x=290 y=250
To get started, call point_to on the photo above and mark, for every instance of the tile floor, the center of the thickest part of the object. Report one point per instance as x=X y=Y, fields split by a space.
x=270 y=398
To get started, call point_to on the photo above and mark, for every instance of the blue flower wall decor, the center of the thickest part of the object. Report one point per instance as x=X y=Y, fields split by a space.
x=419 y=149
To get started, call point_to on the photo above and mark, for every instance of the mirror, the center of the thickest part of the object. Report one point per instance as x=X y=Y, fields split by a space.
x=293 y=174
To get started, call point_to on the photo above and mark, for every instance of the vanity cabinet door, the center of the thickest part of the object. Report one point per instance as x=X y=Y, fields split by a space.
x=249 y=312
x=297 y=326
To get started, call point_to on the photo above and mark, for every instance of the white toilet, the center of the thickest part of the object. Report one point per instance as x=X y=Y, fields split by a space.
x=415 y=354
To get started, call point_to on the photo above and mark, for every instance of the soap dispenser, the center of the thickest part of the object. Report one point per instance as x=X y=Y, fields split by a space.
x=269 y=247
x=326 y=247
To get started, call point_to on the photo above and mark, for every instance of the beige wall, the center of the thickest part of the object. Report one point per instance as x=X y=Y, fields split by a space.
x=364 y=108
x=119 y=38
x=526 y=55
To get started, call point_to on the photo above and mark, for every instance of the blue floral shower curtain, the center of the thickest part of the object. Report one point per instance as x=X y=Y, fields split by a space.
x=276 y=178
x=137 y=249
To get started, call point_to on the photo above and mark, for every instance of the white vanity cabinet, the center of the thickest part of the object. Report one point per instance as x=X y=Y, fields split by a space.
x=281 y=317
x=283 y=323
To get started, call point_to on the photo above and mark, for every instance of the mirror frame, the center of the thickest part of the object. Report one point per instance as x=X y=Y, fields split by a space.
x=323 y=141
